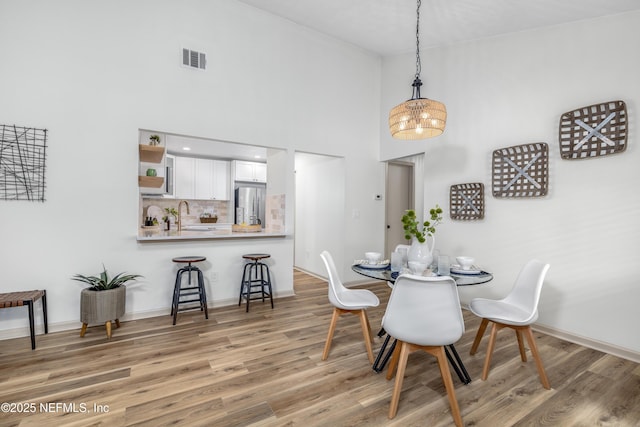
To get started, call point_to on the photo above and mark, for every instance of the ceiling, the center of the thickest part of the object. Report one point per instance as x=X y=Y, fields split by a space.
x=202 y=147
x=387 y=27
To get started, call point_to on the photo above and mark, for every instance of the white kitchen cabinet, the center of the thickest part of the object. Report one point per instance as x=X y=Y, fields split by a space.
x=250 y=171
x=221 y=175
x=201 y=179
x=184 y=172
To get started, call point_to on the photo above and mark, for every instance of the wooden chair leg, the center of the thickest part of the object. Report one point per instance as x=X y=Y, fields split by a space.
x=108 y=326
x=536 y=357
x=476 y=341
x=487 y=359
x=523 y=354
x=117 y=323
x=332 y=329
x=83 y=330
x=366 y=331
x=448 y=384
x=402 y=364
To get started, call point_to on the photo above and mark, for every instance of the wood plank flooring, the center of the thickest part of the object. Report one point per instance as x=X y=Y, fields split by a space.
x=263 y=368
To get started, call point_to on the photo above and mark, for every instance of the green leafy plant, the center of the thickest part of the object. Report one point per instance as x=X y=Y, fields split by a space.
x=170 y=211
x=103 y=282
x=154 y=139
x=411 y=224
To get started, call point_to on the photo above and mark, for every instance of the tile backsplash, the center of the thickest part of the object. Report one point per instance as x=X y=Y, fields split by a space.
x=196 y=208
x=275 y=212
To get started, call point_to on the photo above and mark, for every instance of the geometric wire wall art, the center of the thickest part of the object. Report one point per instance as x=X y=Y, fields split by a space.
x=466 y=201
x=22 y=163
x=521 y=170
x=596 y=130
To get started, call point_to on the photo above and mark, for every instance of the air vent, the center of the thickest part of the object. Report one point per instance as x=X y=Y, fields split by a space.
x=193 y=59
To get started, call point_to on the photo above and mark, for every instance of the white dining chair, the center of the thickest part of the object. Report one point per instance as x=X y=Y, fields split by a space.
x=516 y=311
x=423 y=313
x=344 y=300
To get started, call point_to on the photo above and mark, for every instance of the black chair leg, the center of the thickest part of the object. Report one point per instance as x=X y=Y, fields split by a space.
x=376 y=365
x=457 y=364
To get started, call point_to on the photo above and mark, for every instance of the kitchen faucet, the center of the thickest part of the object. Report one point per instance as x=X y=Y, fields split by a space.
x=180 y=213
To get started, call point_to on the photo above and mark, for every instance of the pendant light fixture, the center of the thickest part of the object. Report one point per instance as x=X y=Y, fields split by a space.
x=417 y=118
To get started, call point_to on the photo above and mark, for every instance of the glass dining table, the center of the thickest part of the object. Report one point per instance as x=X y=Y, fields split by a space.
x=382 y=272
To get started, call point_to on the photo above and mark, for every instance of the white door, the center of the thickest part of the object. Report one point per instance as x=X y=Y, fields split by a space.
x=400 y=190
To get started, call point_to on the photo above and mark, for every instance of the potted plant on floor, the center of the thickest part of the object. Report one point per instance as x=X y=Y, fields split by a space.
x=104 y=300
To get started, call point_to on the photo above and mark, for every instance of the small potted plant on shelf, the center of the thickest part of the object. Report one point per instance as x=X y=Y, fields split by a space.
x=154 y=139
x=104 y=300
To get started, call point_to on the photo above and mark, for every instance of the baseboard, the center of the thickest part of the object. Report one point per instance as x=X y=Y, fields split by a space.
x=302 y=270
x=614 y=350
x=67 y=326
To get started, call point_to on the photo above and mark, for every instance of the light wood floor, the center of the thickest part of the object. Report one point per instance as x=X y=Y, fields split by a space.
x=263 y=368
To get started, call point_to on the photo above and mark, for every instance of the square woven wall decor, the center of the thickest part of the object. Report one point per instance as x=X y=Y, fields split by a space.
x=466 y=201
x=596 y=130
x=521 y=170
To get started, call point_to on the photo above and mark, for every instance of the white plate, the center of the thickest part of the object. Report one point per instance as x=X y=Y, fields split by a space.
x=458 y=270
x=375 y=266
x=155 y=212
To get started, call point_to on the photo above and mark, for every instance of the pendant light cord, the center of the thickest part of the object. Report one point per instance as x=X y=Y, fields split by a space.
x=418 y=62
x=416 y=81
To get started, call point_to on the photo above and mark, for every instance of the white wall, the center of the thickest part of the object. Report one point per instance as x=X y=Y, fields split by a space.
x=93 y=73
x=512 y=90
x=320 y=206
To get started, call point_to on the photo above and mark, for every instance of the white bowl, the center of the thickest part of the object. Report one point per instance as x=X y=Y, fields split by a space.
x=465 y=262
x=417 y=267
x=373 y=257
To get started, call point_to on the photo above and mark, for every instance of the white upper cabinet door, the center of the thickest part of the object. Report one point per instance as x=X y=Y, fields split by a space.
x=244 y=171
x=221 y=170
x=260 y=172
x=184 y=171
x=204 y=179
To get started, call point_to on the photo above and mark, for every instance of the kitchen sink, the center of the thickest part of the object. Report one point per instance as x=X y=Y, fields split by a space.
x=198 y=227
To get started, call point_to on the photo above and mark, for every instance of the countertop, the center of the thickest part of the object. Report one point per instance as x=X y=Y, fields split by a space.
x=145 y=235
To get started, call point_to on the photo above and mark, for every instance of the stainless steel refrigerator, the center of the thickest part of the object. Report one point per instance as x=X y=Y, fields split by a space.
x=250 y=203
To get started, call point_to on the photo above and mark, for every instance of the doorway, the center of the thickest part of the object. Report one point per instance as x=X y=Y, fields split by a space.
x=400 y=197
x=319 y=210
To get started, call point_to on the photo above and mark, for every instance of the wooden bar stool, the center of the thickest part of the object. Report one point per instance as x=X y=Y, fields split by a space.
x=254 y=281
x=17 y=299
x=190 y=290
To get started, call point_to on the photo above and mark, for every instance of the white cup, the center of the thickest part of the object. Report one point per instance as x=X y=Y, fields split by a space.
x=443 y=265
x=396 y=261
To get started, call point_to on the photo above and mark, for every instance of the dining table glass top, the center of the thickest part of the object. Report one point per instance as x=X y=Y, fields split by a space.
x=389 y=276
